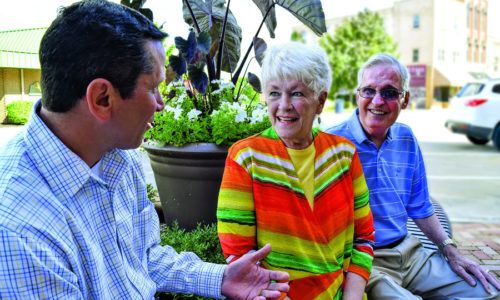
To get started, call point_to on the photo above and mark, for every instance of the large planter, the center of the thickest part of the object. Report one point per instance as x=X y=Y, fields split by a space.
x=188 y=180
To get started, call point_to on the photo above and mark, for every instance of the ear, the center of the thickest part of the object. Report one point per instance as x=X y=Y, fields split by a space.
x=100 y=97
x=406 y=100
x=322 y=99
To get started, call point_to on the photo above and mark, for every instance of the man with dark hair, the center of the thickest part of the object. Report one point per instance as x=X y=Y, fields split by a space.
x=395 y=174
x=75 y=221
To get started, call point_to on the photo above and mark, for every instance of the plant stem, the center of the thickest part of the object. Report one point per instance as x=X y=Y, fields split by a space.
x=237 y=74
x=221 y=43
x=210 y=63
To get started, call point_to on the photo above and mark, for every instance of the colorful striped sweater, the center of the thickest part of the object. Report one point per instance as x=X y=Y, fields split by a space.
x=261 y=201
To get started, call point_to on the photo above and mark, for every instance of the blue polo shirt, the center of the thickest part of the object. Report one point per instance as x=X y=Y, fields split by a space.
x=395 y=175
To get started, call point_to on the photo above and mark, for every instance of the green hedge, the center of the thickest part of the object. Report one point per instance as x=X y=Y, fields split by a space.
x=203 y=241
x=18 y=112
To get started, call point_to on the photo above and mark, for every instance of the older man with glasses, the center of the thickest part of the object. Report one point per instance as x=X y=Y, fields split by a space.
x=395 y=175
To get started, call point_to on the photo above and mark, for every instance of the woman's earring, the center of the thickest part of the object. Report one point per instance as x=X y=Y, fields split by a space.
x=319 y=119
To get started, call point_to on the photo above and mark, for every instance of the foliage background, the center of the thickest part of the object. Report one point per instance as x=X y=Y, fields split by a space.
x=353 y=42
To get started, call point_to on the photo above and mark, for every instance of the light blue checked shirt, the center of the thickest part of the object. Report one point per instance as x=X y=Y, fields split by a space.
x=67 y=234
x=395 y=175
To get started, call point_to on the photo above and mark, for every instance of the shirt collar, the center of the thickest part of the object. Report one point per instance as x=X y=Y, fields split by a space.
x=64 y=171
x=357 y=130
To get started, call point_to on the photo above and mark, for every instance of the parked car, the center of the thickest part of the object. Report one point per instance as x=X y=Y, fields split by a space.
x=475 y=112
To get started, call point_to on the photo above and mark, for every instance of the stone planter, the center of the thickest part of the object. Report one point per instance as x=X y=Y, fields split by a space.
x=188 y=180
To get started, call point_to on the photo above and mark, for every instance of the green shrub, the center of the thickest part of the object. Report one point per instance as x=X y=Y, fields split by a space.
x=18 y=112
x=152 y=192
x=203 y=241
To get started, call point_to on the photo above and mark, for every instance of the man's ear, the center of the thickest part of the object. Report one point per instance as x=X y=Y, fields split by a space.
x=406 y=100
x=100 y=97
x=322 y=99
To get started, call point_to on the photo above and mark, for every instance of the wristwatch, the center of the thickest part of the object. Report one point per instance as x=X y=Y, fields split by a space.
x=445 y=243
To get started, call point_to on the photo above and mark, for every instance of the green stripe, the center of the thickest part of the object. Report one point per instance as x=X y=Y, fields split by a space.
x=283 y=183
x=321 y=185
x=361 y=259
x=339 y=158
x=361 y=200
x=300 y=263
x=236 y=216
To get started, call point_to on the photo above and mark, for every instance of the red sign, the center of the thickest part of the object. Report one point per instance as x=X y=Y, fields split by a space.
x=417 y=75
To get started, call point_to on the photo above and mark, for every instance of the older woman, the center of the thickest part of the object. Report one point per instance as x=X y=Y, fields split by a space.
x=298 y=188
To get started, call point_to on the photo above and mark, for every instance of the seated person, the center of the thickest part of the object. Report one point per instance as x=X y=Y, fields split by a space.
x=395 y=175
x=297 y=188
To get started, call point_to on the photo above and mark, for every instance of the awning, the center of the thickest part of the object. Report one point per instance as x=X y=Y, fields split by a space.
x=451 y=77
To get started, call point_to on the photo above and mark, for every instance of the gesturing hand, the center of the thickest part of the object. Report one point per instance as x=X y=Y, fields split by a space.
x=245 y=279
x=468 y=269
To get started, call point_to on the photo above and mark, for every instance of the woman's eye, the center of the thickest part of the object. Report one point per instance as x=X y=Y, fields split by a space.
x=297 y=94
x=273 y=94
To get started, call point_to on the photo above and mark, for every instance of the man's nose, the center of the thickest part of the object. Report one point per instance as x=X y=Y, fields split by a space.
x=160 y=104
x=377 y=99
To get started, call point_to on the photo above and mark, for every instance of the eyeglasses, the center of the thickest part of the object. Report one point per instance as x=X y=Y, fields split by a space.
x=388 y=94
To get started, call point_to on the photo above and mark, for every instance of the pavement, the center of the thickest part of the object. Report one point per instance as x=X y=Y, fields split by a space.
x=480 y=241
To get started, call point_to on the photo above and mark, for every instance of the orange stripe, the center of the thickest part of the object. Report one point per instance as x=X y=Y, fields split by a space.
x=233 y=244
x=313 y=286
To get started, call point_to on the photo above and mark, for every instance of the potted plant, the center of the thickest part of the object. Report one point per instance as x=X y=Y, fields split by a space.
x=203 y=114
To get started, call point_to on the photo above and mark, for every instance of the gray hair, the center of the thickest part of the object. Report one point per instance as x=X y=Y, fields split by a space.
x=386 y=59
x=297 y=61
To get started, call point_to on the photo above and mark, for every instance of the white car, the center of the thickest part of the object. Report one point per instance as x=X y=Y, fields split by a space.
x=475 y=112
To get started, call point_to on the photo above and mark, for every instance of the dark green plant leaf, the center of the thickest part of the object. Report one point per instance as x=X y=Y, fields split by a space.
x=187 y=47
x=204 y=41
x=170 y=74
x=259 y=47
x=309 y=12
x=137 y=5
x=254 y=82
x=264 y=5
x=198 y=78
x=210 y=16
x=178 y=64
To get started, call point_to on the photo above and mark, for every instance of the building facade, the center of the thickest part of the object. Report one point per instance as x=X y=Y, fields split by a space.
x=444 y=43
x=19 y=66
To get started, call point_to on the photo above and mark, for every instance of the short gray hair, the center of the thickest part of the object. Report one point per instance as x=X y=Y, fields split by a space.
x=386 y=59
x=305 y=63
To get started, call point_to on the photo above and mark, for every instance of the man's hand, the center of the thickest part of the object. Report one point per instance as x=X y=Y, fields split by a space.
x=465 y=268
x=245 y=279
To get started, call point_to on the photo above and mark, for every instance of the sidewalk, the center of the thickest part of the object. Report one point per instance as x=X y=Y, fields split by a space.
x=479 y=242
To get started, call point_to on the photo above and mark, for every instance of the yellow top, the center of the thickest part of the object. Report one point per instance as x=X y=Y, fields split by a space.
x=303 y=160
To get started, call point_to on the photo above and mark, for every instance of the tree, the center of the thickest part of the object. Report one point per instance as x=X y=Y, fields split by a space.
x=353 y=42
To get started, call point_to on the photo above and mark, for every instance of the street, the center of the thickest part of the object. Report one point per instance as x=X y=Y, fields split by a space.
x=463 y=177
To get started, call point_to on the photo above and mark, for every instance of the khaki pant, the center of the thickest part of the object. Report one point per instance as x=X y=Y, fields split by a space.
x=410 y=271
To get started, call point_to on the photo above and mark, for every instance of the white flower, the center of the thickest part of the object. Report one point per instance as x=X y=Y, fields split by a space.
x=241 y=116
x=176 y=110
x=193 y=114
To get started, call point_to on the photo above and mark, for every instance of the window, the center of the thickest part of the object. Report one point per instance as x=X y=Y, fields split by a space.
x=416 y=21
x=496 y=89
x=468 y=18
x=441 y=55
x=34 y=88
x=415 y=55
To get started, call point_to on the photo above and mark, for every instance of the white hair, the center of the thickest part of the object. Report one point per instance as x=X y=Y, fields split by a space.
x=297 y=61
x=386 y=59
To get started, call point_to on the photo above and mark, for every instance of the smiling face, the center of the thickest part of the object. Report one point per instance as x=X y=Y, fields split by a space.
x=135 y=114
x=292 y=107
x=376 y=114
